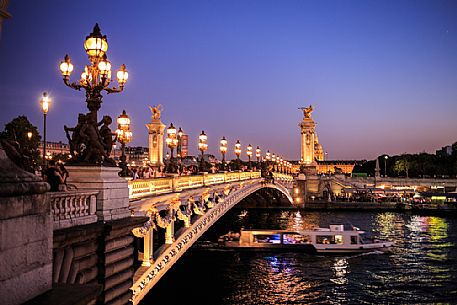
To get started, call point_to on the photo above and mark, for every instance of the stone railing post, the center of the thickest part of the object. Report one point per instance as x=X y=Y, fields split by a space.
x=93 y=204
x=204 y=177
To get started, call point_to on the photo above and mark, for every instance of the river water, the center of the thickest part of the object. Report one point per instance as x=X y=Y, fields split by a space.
x=421 y=268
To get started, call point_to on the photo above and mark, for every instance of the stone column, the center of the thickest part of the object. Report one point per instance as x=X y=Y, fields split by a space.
x=25 y=233
x=307 y=141
x=156 y=131
x=148 y=248
x=170 y=233
x=187 y=221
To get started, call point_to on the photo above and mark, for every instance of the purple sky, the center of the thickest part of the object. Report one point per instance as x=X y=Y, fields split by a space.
x=382 y=75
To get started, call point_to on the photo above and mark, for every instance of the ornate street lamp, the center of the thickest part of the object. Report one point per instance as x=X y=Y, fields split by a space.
x=124 y=136
x=258 y=155
x=202 y=146
x=223 y=149
x=29 y=135
x=249 y=154
x=238 y=149
x=179 y=148
x=95 y=79
x=171 y=142
x=45 y=103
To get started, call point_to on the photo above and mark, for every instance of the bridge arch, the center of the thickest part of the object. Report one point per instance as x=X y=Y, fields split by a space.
x=147 y=276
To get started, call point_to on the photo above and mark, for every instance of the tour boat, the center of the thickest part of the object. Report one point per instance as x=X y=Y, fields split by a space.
x=334 y=239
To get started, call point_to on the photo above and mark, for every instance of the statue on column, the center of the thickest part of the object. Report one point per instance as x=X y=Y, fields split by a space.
x=307 y=111
x=155 y=110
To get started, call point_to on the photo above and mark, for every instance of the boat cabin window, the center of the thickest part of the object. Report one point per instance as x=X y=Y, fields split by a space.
x=329 y=239
x=296 y=239
x=267 y=238
x=354 y=240
x=339 y=239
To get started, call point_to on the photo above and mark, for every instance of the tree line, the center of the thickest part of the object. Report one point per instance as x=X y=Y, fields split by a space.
x=421 y=165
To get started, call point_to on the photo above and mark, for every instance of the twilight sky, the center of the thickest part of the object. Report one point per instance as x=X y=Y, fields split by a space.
x=382 y=75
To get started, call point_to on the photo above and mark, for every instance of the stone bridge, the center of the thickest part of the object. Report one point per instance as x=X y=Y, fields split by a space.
x=175 y=211
x=194 y=203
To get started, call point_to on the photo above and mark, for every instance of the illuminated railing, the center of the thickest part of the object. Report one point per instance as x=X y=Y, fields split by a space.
x=73 y=208
x=285 y=178
x=146 y=187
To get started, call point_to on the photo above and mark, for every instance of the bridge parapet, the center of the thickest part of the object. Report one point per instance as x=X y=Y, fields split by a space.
x=73 y=208
x=154 y=186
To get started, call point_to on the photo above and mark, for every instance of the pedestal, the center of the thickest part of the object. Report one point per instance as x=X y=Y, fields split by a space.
x=113 y=196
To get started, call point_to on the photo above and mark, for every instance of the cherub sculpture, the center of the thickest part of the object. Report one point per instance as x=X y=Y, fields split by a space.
x=106 y=134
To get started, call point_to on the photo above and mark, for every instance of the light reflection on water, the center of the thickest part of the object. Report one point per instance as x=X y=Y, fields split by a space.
x=421 y=268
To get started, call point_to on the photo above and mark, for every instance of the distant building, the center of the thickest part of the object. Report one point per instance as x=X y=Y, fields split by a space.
x=444 y=151
x=184 y=147
x=54 y=148
x=137 y=154
x=332 y=167
x=318 y=150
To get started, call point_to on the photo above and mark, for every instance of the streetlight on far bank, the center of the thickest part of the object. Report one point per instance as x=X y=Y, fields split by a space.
x=45 y=103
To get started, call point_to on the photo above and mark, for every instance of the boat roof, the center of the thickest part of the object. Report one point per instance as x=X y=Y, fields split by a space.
x=273 y=231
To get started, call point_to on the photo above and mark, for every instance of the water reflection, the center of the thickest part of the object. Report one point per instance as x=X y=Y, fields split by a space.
x=422 y=267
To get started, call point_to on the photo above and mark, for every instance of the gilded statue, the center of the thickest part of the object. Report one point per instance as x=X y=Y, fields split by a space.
x=155 y=110
x=307 y=111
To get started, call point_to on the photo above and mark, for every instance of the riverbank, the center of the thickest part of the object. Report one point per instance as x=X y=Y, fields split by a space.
x=449 y=208
x=389 y=206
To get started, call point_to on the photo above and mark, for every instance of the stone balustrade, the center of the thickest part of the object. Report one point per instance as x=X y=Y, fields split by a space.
x=73 y=208
x=146 y=187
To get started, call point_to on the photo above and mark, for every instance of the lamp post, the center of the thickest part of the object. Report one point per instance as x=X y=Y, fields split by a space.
x=249 y=154
x=124 y=136
x=172 y=142
x=385 y=165
x=179 y=148
x=238 y=153
x=45 y=103
x=258 y=155
x=29 y=135
x=273 y=160
x=202 y=146
x=223 y=149
x=95 y=79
